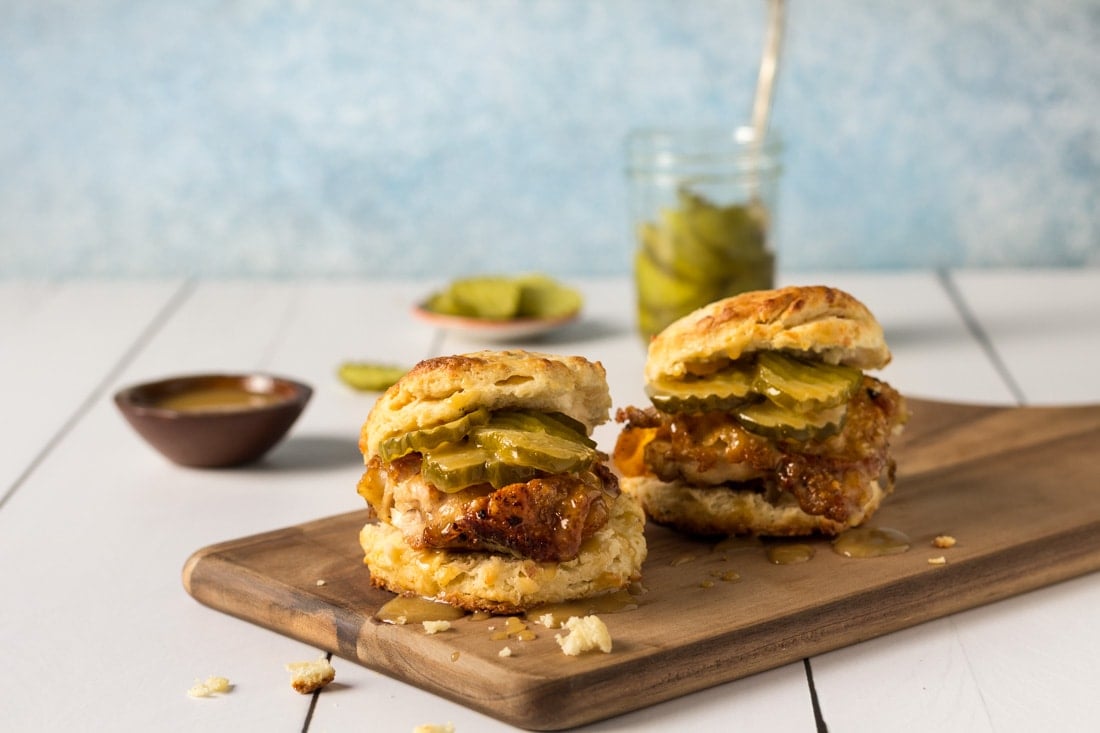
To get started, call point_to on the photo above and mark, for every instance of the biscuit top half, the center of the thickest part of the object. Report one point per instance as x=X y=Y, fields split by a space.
x=816 y=321
x=445 y=388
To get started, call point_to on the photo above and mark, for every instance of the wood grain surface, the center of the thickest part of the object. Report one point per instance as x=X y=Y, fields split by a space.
x=1019 y=488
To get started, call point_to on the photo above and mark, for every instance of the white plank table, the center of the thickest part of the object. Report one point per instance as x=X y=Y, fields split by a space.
x=97 y=632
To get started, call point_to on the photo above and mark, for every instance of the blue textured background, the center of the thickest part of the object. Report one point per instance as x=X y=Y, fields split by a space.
x=406 y=138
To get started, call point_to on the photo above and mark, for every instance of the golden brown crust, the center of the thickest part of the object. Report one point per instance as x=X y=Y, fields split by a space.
x=828 y=323
x=481 y=581
x=722 y=510
x=444 y=388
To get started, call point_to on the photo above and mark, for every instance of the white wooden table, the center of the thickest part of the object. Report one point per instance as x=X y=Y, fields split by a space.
x=97 y=633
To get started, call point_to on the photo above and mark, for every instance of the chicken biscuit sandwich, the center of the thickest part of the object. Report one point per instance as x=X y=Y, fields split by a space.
x=763 y=420
x=488 y=492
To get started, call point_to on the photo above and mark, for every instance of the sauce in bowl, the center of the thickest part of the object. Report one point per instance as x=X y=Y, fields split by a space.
x=204 y=399
x=214 y=420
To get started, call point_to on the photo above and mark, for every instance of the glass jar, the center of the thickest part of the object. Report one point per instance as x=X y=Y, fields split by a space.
x=702 y=207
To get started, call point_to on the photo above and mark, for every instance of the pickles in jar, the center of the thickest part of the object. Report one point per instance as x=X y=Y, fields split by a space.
x=696 y=253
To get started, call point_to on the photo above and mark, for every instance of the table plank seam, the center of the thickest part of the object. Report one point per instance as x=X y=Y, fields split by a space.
x=974 y=326
x=815 y=703
x=96 y=394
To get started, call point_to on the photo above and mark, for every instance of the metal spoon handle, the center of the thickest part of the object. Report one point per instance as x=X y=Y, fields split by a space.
x=769 y=61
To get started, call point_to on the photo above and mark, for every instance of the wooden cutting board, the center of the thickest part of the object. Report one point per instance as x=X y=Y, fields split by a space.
x=1018 y=487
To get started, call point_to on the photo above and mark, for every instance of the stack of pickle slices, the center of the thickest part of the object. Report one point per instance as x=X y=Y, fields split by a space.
x=697 y=253
x=503 y=298
x=498 y=448
x=771 y=393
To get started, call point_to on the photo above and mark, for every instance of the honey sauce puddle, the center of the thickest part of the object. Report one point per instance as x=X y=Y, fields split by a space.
x=789 y=554
x=413 y=610
x=871 y=542
x=553 y=615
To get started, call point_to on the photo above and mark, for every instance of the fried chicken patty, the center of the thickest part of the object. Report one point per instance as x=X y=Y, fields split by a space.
x=544 y=519
x=830 y=477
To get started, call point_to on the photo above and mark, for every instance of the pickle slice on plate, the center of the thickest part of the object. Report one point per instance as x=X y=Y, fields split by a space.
x=725 y=390
x=544 y=297
x=422 y=440
x=503 y=298
x=801 y=385
x=444 y=303
x=772 y=421
x=493 y=298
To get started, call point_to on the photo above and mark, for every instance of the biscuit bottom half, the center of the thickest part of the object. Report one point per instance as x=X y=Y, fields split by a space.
x=721 y=510
x=483 y=581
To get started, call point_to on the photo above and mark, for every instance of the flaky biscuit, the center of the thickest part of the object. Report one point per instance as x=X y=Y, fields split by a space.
x=444 y=388
x=481 y=581
x=722 y=510
x=825 y=322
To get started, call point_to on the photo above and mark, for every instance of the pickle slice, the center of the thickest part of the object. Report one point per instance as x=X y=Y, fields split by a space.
x=454 y=467
x=421 y=440
x=772 y=421
x=493 y=298
x=555 y=424
x=445 y=303
x=725 y=390
x=736 y=231
x=534 y=449
x=676 y=249
x=796 y=384
x=561 y=424
x=501 y=298
x=369 y=377
x=502 y=448
x=660 y=289
x=544 y=297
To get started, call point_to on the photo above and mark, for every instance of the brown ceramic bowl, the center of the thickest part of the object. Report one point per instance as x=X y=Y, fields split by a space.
x=214 y=420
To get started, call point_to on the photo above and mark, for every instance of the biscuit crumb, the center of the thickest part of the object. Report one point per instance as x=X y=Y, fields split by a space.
x=320 y=582
x=308 y=677
x=505 y=652
x=212 y=686
x=585 y=634
x=941 y=560
x=435 y=728
x=943 y=541
x=547 y=620
x=434 y=627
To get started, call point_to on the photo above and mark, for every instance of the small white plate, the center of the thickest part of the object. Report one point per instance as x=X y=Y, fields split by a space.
x=489 y=330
